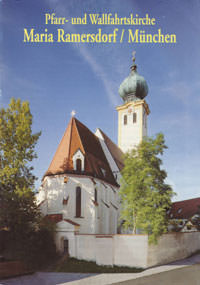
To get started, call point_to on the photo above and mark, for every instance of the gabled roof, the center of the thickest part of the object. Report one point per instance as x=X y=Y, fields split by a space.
x=185 y=209
x=115 y=151
x=56 y=218
x=78 y=136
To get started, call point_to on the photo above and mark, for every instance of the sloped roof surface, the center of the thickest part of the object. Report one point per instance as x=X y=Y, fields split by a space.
x=185 y=209
x=115 y=151
x=78 y=137
x=56 y=218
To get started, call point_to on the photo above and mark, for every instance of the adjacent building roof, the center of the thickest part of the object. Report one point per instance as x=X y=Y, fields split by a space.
x=78 y=137
x=185 y=209
x=115 y=151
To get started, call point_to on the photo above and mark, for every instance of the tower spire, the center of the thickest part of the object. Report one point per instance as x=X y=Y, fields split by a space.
x=132 y=120
x=134 y=66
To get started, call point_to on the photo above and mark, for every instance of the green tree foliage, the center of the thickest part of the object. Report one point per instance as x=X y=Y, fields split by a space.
x=17 y=206
x=145 y=195
x=29 y=236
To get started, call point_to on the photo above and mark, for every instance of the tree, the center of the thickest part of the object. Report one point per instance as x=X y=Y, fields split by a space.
x=18 y=210
x=29 y=236
x=144 y=194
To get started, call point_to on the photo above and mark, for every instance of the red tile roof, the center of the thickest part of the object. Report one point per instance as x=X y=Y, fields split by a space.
x=185 y=209
x=56 y=218
x=78 y=136
x=71 y=222
x=115 y=151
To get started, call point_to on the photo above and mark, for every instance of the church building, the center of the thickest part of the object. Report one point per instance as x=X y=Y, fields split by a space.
x=80 y=189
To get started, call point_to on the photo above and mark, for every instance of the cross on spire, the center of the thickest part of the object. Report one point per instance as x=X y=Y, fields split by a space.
x=73 y=113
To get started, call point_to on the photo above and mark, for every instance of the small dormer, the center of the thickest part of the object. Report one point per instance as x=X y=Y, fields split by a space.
x=78 y=161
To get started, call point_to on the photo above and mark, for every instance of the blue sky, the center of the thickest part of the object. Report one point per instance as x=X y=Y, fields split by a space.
x=60 y=77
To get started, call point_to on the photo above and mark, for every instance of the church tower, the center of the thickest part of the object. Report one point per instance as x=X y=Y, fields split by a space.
x=132 y=115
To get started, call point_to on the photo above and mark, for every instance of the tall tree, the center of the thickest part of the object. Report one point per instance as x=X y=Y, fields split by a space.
x=144 y=194
x=17 y=206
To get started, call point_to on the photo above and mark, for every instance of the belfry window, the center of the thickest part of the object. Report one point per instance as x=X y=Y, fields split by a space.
x=125 y=119
x=78 y=165
x=134 y=117
x=78 y=202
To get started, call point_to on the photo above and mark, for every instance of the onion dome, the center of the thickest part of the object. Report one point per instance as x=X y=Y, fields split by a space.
x=134 y=87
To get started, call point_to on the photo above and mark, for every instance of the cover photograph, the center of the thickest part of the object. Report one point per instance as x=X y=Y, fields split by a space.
x=99 y=136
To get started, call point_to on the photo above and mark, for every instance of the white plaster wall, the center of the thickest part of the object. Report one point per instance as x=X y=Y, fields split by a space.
x=85 y=247
x=65 y=230
x=79 y=155
x=44 y=207
x=131 y=133
x=104 y=251
x=134 y=250
x=94 y=219
x=131 y=250
x=40 y=196
x=172 y=247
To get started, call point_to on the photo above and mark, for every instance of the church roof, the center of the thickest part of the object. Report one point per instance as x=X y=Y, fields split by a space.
x=185 y=209
x=115 y=151
x=56 y=218
x=78 y=137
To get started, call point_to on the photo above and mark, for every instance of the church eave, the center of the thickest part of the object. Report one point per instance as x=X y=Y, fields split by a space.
x=83 y=174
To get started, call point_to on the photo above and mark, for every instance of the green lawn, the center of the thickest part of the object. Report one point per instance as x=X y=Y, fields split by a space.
x=75 y=265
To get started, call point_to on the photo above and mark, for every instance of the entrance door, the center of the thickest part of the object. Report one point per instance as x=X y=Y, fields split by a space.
x=66 y=246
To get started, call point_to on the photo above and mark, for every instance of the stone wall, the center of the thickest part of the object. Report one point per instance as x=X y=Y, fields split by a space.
x=134 y=250
x=172 y=247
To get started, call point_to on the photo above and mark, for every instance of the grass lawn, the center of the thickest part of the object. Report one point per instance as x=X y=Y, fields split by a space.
x=81 y=266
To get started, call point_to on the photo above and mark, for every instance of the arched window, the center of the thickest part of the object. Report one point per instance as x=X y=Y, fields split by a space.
x=125 y=119
x=78 y=165
x=95 y=195
x=134 y=117
x=78 y=202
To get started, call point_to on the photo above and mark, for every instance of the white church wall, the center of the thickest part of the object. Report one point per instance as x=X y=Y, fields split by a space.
x=55 y=191
x=44 y=207
x=40 y=196
x=65 y=230
x=95 y=218
x=131 y=132
x=60 y=236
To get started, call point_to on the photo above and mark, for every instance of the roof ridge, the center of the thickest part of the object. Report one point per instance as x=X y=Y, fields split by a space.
x=57 y=149
x=186 y=200
x=75 y=121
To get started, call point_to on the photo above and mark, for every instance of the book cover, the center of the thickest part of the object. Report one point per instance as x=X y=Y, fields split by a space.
x=68 y=58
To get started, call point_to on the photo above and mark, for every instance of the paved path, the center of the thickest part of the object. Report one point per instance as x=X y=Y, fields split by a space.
x=183 y=272
x=45 y=278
